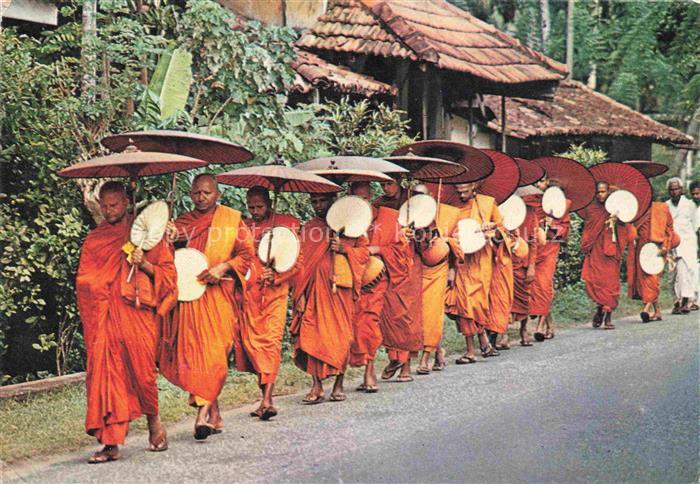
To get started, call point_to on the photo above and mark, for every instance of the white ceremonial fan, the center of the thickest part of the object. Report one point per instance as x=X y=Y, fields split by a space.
x=418 y=211
x=513 y=211
x=350 y=216
x=554 y=202
x=149 y=227
x=189 y=263
x=623 y=205
x=471 y=237
x=283 y=251
x=650 y=260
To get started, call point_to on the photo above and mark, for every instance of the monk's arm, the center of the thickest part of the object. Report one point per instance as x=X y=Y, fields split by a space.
x=243 y=250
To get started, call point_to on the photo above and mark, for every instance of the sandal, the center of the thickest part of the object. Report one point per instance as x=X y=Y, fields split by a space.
x=361 y=388
x=160 y=443
x=549 y=335
x=502 y=347
x=422 y=370
x=201 y=432
x=439 y=366
x=102 y=456
x=539 y=337
x=257 y=412
x=313 y=399
x=694 y=307
x=608 y=326
x=404 y=379
x=676 y=309
x=465 y=360
x=372 y=389
x=598 y=318
x=525 y=343
x=390 y=371
x=268 y=413
x=657 y=318
x=338 y=397
x=644 y=316
x=489 y=352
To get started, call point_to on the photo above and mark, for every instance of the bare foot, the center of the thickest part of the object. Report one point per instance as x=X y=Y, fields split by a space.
x=107 y=454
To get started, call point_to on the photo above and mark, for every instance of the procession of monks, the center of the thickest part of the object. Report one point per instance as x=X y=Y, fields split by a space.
x=133 y=331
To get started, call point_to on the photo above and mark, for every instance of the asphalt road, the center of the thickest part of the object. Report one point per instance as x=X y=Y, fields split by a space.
x=589 y=405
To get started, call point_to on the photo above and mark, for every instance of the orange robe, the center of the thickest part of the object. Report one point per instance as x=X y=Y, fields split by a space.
x=401 y=321
x=542 y=287
x=656 y=225
x=528 y=231
x=501 y=290
x=434 y=283
x=322 y=322
x=262 y=329
x=602 y=256
x=121 y=340
x=468 y=299
x=196 y=343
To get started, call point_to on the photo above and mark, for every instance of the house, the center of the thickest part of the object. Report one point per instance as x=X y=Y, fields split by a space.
x=14 y=12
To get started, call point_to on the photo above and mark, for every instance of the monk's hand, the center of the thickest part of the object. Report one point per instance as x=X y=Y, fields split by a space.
x=137 y=257
x=489 y=230
x=171 y=231
x=336 y=246
x=214 y=274
x=268 y=276
x=451 y=274
x=374 y=249
x=530 y=275
x=410 y=233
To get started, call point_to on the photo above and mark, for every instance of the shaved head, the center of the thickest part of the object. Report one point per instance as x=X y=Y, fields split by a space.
x=114 y=202
x=205 y=192
x=113 y=187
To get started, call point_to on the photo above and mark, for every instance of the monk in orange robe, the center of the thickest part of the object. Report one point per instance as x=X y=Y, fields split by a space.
x=388 y=243
x=196 y=343
x=656 y=225
x=524 y=267
x=401 y=322
x=542 y=287
x=266 y=297
x=501 y=291
x=120 y=324
x=434 y=284
x=469 y=279
x=602 y=255
x=324 y=301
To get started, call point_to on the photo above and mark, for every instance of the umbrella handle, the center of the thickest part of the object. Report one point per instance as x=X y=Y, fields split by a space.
x=333 y=275
x=171 y=196
x=133 y=266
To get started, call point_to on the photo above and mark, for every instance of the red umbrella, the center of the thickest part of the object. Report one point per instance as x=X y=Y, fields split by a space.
x=207 y=148
x=648 y=168
x=351 y=163
x=132 y=164
x=278 y=178
x=530 y=172
x=477 y=165
x=622 y=176
x=503 y=182
x=572 y=177
x=425 y=167
x=337 y=175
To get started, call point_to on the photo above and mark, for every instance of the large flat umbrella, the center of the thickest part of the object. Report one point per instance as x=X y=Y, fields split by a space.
x=337 y=175
x=208 y=148
x=351 y=163
x=505 y=178
x=530 y=172
x=572 y=177
x=425 y=167
x=477 y=165
x=623 y=176
x=648 y=168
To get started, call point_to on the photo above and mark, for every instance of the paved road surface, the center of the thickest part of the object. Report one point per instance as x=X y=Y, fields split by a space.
x=589 y=405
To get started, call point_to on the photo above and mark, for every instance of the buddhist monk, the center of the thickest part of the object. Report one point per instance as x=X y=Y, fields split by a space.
x=507 y=246
x=656 y=226
x=266 y=298
x=469 y=278
x=324 y=301
x=542 y=287
x=388 y=243
x=196 y=343
x=602 y=255
x=435 y=252
x=524 y=267
x=401 y=322
x=120 y=322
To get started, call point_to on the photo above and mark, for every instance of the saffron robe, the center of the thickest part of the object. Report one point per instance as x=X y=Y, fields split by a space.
x=542 y=287
x=262 y=328
x=385 y=233
x=656 y=225
x=602 y=256
x=528 y=231
x=501 y=290
x=196 y=343
x=121 y=340
x=434 y=282
x=401 y=321
x=322 y=321
x=468 y=300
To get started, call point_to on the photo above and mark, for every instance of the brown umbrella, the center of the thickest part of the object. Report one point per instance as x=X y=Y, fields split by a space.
x=648 y=168
x=351 y=163
x=425 y=167
x=572 y=177
x=208 y=148
x=530 y=172
x=504 y=180
x=476 y=163
x=338 y=176
x=623 y=176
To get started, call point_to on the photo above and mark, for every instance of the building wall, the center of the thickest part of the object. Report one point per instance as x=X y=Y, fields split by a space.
x=298 y=14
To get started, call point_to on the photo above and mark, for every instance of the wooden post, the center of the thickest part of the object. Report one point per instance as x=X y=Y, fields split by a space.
x=471 y=122
x=570 y=38
x=424 y=103
x=503 y=124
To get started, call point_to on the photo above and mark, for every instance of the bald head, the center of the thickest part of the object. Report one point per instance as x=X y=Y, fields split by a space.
x=114 y=202
x=259 y=203
x=362 y=189
x=205 y=192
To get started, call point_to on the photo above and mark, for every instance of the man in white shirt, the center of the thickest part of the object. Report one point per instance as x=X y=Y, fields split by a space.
x=685 y=225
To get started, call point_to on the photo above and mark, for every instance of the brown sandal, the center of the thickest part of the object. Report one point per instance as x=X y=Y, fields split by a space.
x=104 y=455
x=423 y=370
x=160 y=443
x=390 y=371
x=268 y=413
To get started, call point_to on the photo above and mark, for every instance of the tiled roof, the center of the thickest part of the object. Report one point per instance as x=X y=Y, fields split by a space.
x=431 y=31
x=314 y=72
x=578 y=110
